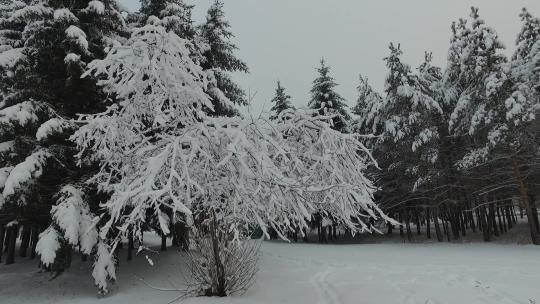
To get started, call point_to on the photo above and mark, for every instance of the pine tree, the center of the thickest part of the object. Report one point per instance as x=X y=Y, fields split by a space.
x=406 y=106
x=220 y=58
x=528 y=35
x=520 y=117
x=404 y=122
x=366 y=104
x=58 y=39
x=11 y=43
x=476 y=74
x=326 y=100
x=175 y=15
x=489 y=111
x=281 y=102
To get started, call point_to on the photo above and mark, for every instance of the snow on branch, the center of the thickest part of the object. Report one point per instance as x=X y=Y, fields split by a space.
x=9 y=58
x=27 y=171
x=47 y=246
x=53 y=127
x=160 y=154
x=78 y=36
x=96 y=7
x=30 y=13
x=21 y=114
x=72 y=215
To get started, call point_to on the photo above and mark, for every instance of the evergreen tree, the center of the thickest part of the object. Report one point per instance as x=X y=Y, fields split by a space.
x=405 y=123
x=519 y=118
x=281 y=102
x=326 y=100
x=46 y=92
x=11 y=43
x=366 y=104
x=220 y=58
x=175 y=15
x=528 y=35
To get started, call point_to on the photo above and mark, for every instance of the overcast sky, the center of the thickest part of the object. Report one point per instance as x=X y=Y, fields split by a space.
x=285 y=39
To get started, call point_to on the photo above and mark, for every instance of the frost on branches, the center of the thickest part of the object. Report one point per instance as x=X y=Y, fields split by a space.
x=164 y=160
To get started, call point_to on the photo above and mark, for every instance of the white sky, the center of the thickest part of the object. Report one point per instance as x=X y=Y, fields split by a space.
x=285 y=39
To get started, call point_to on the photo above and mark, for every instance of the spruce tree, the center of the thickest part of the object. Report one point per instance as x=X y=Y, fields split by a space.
x=175 y=16
x=46 y=92
x=326 y=100
x=11 y=43
x=281 y=102
x=220 y=58
x=368 y=100
x=528 y=35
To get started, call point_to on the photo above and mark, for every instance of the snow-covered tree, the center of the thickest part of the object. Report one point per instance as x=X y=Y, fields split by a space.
x=73 y=226
x=326 y=100
x=404 y=121
x=477 y=73
x=220 y=58
x=406 y=109
x=366 y=105
x=45 y=90
x=176 y=15
x=160 y=152
x=281 y=102
x=518 y=118
x=11 y=42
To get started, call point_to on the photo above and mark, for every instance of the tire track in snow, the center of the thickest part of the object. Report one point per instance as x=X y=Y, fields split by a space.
x=327 y=292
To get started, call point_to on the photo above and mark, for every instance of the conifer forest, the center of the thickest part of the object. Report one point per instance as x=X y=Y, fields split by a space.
x=138 y=164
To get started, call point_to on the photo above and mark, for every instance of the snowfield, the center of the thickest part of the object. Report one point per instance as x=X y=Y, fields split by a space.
x=425 y=273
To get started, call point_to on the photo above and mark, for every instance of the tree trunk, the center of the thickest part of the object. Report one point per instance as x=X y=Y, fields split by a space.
x=390 y=228
x=454 y=220
x=508 y=214
x=418 y=222
x=428 y=224
x=330 y=238
x=12 y=240
x=493 y=220
x=220 y=269
x=35 y=238
x=2 y=236
x=532 y=201
x=25 y=241
x=408 y=225
x=163 y=242
x=523 y=191
x=443 y=226
x=130 y=245
x=486 y=224
x=400 y=218
x=502 y=226
x=513 y=211
x=471 y=218
x=478 y=212
x=437 y=227
x=447 y=229
x=462 y=221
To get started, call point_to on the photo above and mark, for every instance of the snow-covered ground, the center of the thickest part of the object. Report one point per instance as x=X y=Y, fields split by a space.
x=425 y=273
